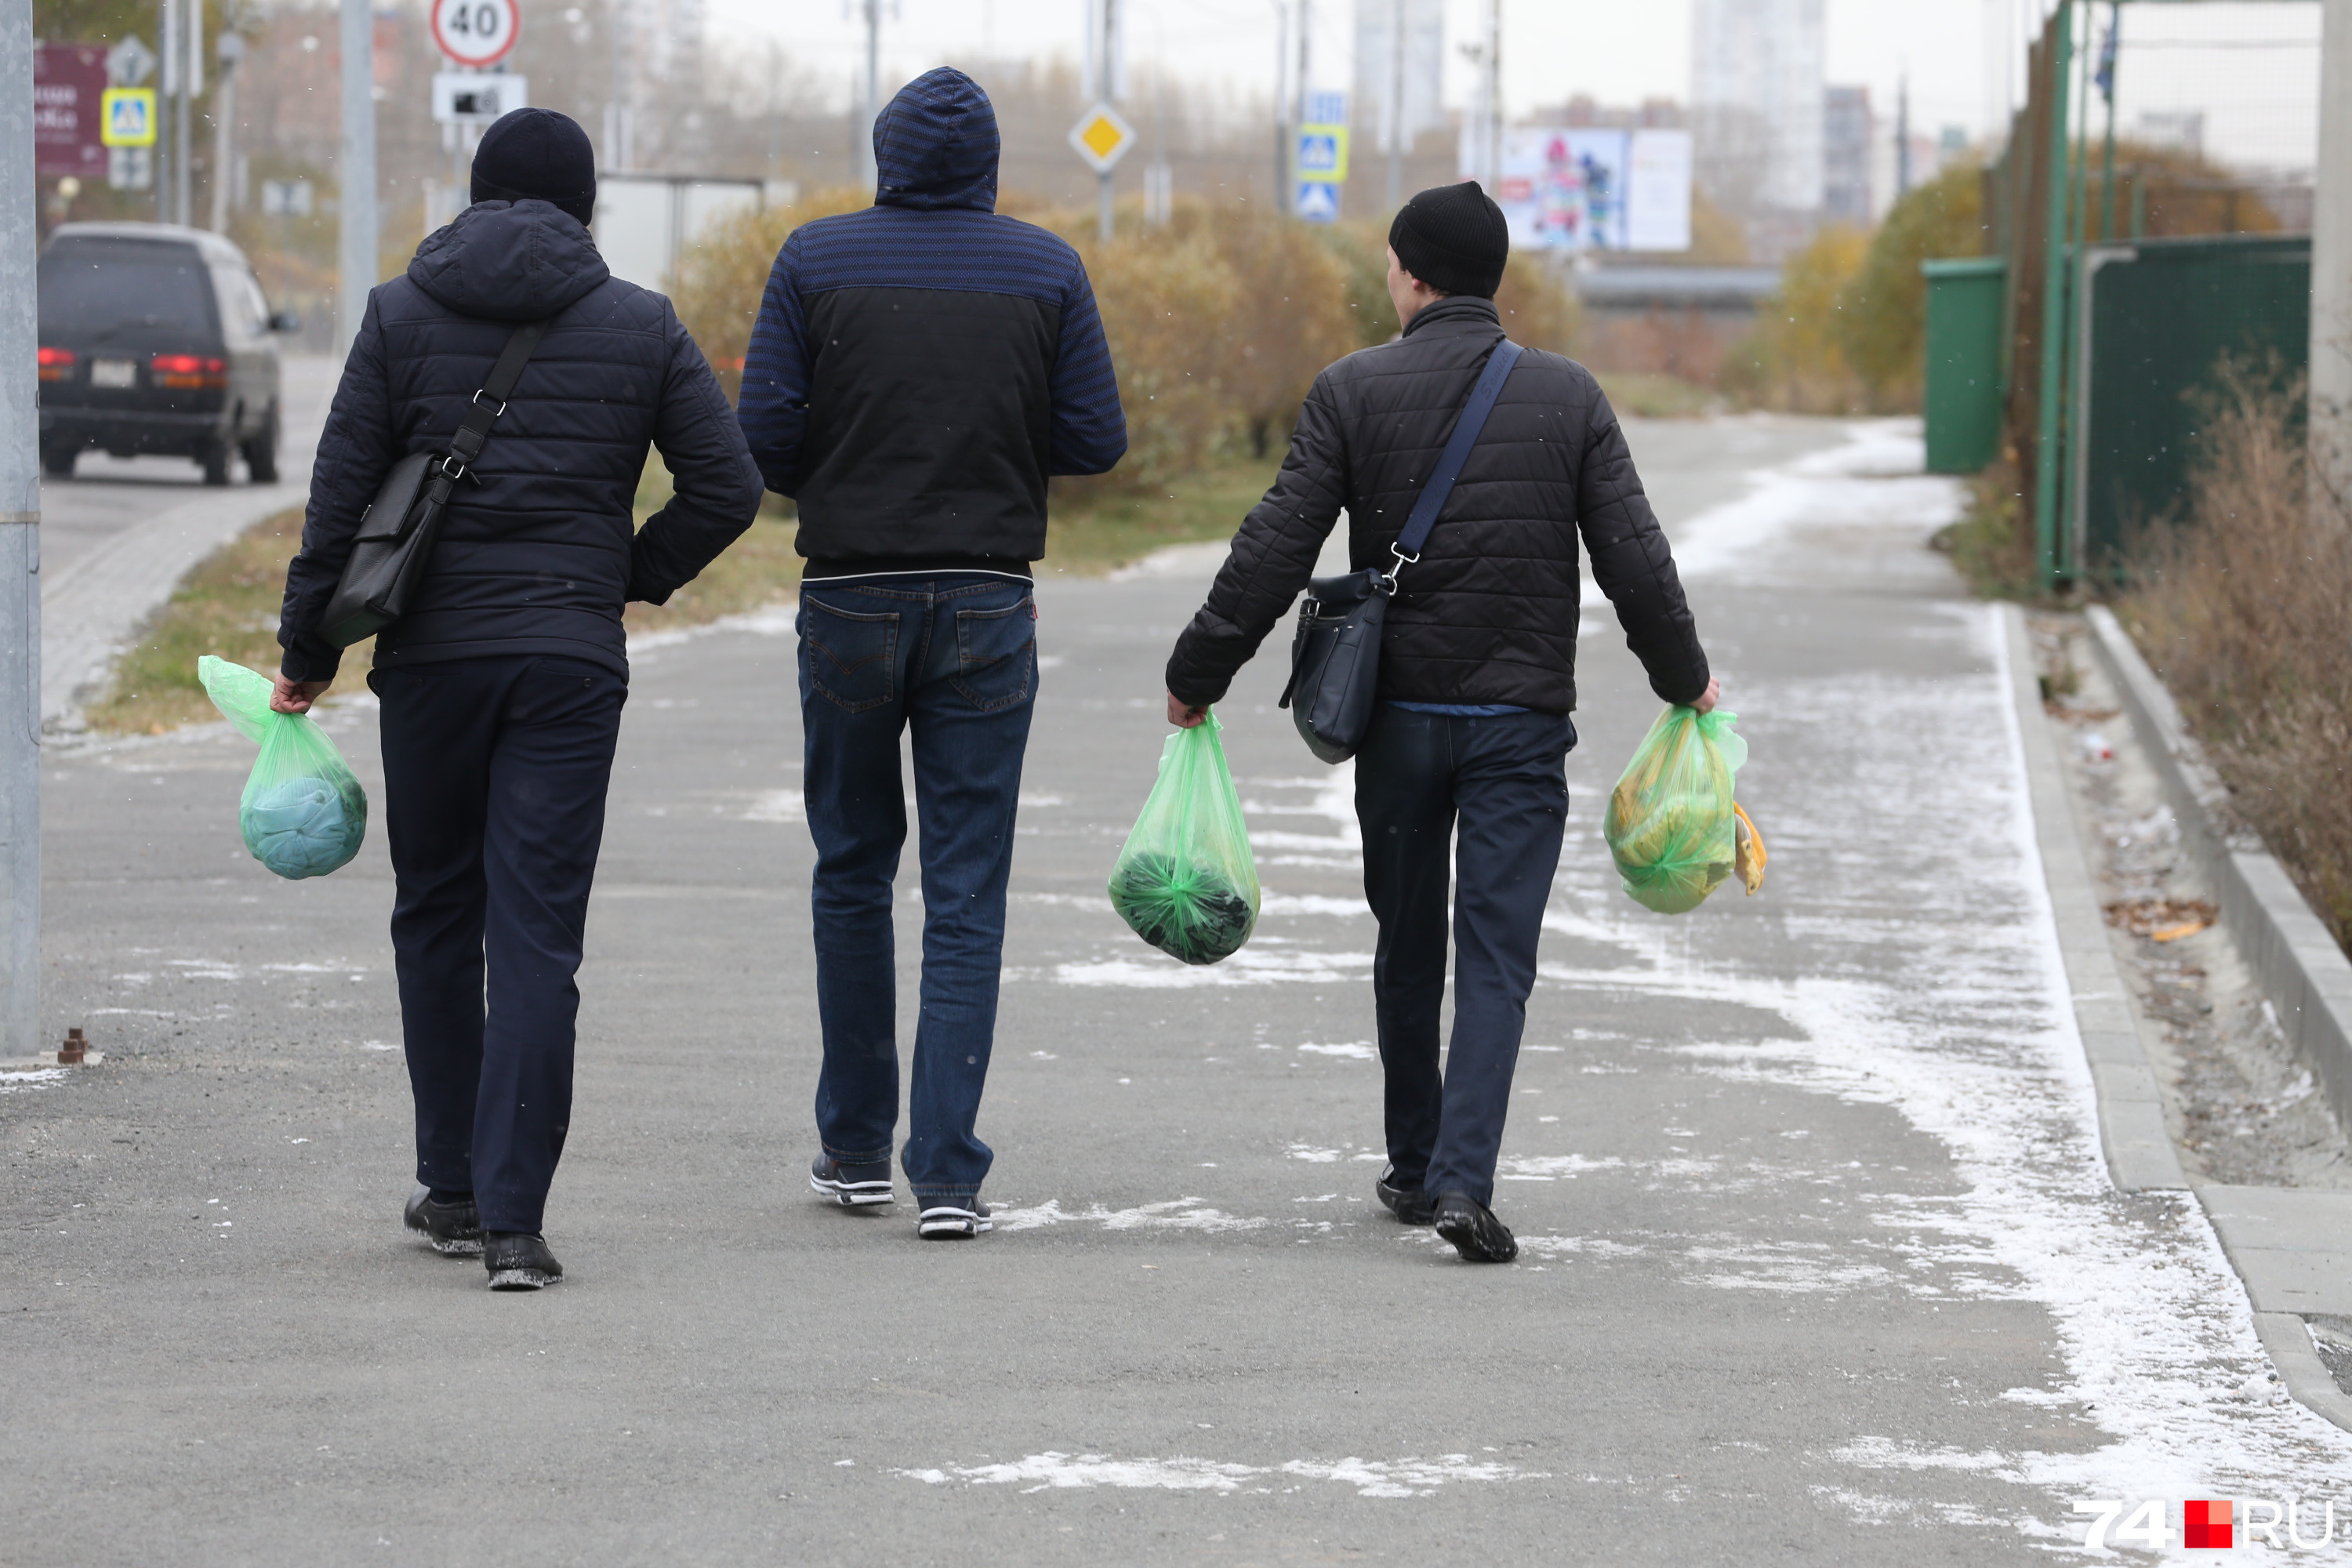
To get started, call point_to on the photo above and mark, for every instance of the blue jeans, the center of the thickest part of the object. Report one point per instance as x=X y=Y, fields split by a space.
x=1496 y=790
x=953 y=660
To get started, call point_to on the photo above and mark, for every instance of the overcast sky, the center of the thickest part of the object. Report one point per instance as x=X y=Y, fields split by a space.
x=1620 y=51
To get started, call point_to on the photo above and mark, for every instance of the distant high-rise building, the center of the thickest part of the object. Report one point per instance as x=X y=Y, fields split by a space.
x=1846 y=148
x=1378 y=112
x=1757 y=109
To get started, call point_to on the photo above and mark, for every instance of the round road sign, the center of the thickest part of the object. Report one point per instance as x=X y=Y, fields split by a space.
x=475 y=32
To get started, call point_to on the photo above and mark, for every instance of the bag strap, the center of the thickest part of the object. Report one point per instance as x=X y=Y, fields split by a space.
x=466 y=445
x=1467 y=429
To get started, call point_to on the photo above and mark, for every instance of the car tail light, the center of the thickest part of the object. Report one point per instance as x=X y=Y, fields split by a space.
x=188 y=371
x=57 y=364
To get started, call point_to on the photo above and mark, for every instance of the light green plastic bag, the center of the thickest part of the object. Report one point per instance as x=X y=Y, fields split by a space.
x=1185 y=881
x=1670 y=823
x=302 y=814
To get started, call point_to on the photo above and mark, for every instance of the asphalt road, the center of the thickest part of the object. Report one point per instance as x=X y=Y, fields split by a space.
x=1821 y=1262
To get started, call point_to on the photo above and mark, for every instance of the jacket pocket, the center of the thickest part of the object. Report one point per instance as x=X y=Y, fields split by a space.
x=996 y=655
x=852 y=657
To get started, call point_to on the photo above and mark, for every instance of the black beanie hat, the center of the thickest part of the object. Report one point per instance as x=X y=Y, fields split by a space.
x=537 y=155
x=1453 y=239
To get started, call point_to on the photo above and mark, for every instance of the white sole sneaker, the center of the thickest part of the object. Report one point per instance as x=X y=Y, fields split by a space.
x=850 y=1194
x=953 y=1222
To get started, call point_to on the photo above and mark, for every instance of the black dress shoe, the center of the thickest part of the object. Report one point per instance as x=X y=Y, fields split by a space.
x=1408 y=1204
x=454 y=1229
x=1473 y=1230
x=518 y=1261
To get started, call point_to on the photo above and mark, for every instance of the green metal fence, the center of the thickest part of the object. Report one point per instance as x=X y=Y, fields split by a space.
x=2156 y=321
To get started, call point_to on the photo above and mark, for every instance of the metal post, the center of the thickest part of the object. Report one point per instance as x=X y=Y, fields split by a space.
x=167 y=87
x=2331 y=260
x=1281 y=107
x=232 y=50
x=2110 y=59
x=1298 y=95
x=184 y=139
x=1104 y=218
x=355 y=175
x=2046 y=459
x=870 y=105
x=20 y=551
x=1903 y=136
x=1495 y=95
x=1396 y=105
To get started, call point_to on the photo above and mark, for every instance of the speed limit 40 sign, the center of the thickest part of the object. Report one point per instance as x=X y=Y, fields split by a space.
x=475 y=32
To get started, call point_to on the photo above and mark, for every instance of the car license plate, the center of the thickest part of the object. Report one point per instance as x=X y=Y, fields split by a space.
x=115 y=372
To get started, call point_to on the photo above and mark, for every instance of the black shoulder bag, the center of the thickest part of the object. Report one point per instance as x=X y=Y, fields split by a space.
x=396 y=532
x=1335 y=659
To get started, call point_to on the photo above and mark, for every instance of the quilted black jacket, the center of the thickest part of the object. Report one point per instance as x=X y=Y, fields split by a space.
x=1488 y=614
x=541 y=556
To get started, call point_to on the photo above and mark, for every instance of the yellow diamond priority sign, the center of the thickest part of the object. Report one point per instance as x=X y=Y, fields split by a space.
x=1101 y=137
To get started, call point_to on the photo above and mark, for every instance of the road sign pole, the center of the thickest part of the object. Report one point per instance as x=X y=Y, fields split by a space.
x=1105 y=219
x=20 y=551
x=2331 y=266
x=356 y=176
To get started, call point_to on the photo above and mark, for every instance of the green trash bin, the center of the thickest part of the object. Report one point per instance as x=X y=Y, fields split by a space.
x=1963 y=384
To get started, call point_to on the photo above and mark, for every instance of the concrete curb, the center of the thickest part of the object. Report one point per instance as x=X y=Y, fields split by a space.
x=2132 y=1134
x=2305 y=974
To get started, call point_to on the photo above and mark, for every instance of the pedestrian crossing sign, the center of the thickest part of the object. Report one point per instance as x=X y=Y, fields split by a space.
x=127 y=117
x=1323 y=154
x=1102 y=138
x=1319 y=203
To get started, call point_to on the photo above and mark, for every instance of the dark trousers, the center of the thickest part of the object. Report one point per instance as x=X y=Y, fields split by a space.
x=1502 y=780
x=495 y=772
x=950 y=661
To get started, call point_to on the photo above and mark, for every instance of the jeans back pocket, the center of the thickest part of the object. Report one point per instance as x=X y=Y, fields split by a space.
x=996 y=655
x=851 y=657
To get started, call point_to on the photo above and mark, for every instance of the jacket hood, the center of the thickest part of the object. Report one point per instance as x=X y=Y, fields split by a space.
x=936 y=145
x=508 y=261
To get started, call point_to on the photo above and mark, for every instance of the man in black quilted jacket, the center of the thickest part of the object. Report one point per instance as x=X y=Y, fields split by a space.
x=501 y=687
x=1477 y=673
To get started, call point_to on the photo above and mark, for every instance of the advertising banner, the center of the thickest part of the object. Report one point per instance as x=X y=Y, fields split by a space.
x=1590 y=188
x=68 y=80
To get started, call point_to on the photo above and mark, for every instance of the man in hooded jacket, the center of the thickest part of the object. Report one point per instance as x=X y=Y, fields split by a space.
x=917 y=372
x=502 y=684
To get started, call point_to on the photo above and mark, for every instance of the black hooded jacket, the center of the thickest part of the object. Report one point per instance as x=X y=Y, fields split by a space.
x=1488 y=614
x=541 y=556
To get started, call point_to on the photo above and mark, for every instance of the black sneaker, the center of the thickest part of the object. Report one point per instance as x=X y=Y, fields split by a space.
x=952 y=1219
x=1473 y=1230
x=1409 y=1204
x=454 y=1229
x=851 y=1185
x=518 y=1261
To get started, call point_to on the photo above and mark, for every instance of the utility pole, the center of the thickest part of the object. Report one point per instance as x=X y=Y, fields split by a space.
x=20 y=551
x=1298 y=101
x=1902 y=135
x=1494 y=94
x=2331 y=265
x=232 y=51
x=192 y=87
x=1396 y=105
x=355 y=176
x=869 y=100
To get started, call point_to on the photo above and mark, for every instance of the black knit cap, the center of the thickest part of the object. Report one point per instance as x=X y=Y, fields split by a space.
x=537 y=155
x=1453 y=239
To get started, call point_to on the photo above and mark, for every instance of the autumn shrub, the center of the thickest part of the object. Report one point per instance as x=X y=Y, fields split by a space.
x=1882 y=316
x=1795 y=358
x=2240 y=607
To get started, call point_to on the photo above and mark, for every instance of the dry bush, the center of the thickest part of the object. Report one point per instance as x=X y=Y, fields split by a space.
x=723 y=272
x=1795 y=358
x=1882 y=323
x=1162 y=299
x=2241 y=607
x=1538 y=310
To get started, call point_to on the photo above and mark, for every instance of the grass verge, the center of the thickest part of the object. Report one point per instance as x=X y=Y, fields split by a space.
x=1647 y=394
x=1991 y=546
x=228 y=605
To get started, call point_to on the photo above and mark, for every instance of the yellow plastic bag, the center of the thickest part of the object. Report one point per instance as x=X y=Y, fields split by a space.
x=1672 y=825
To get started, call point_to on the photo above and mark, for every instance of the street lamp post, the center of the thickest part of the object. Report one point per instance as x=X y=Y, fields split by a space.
x=20 y=551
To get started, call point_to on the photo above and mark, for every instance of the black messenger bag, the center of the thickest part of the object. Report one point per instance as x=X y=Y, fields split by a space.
x=396 y=532
x=1335 y=659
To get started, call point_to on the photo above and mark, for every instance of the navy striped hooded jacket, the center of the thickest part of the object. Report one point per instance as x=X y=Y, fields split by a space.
x=919 y=368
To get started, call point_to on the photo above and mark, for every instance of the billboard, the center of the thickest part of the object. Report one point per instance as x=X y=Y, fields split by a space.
x=68 y=79
x=1591 y=188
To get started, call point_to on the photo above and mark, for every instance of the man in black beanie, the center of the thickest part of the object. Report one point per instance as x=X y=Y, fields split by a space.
x=501 y=684
x=1477 y=671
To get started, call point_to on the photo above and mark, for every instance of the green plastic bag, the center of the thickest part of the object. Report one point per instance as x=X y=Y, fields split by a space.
x=1185 y=881
x=302 y=814
x=1671 y=825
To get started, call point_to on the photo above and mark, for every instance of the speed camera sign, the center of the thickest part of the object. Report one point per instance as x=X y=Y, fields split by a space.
x=475 y=32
